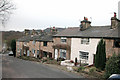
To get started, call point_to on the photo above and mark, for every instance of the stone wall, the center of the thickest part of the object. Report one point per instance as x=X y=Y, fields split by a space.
x=110 y=48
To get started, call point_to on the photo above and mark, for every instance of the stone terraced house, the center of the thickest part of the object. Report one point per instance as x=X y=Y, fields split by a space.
x=81 y=42
x=37 y=45
x=73 y=42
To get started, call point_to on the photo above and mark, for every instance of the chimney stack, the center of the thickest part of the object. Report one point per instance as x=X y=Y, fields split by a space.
x=114 y=22
x=85 y=24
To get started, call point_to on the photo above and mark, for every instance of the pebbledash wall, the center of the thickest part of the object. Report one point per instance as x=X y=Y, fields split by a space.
x=91 y=48
x=76 y=47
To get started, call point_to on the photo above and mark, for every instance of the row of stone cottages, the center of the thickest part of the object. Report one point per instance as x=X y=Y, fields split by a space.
x=73 y=42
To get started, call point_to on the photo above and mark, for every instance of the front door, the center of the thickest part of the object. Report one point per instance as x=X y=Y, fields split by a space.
x=27 y=52
x=37 y=53
x=56 y=53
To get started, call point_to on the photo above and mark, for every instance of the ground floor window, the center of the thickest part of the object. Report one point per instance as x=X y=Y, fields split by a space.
x=50 y=55
x=18 y=49
x=44 y=54
x=24 y=52
x=33 y=51
x=83 y=55
x=37 y=52
x=63 y=53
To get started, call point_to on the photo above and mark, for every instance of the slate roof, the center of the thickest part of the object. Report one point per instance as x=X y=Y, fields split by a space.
x=48 y=38
x=28 y=38
x=92 y=32
x=43 y=37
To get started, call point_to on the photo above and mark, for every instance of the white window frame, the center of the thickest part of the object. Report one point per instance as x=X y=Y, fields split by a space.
x=18 y=43
x=24 y=52
x=83 y=54
x=63 y=51
x=33 y=42
x=63 y=38
x=25 y=43
x=38 y=52
x=33 y=51
x=85 y=41
x=18 y=49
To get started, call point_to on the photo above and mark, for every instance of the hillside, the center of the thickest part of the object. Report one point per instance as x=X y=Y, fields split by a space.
x=7 y=36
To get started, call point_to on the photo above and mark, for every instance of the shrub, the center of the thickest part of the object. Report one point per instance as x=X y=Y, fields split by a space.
x=98 y=70
x=51 y=58
x=112 y=66
x=58 y=62
x=13 y=46
x=100 y=57
x=51 y=62
x=81 y=68
x=60 y=59
x=75 y=68
x=91 y=70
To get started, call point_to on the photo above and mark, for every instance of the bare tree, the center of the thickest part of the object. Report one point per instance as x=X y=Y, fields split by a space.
x=5 y=9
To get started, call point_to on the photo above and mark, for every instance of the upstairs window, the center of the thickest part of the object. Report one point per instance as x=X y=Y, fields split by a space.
x=117 y=43
x=63 y=39
x=45 y=43
x=85 y=41
x=18 y=43
x=25 y=43
x=33 y=42
x=37 y=52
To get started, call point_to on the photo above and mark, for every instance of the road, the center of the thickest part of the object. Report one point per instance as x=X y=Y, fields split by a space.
x=18 y=68
x=0 y=65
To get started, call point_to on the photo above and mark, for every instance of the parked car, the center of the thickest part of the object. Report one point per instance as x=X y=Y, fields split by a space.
x=10 y=53
x=114 y=77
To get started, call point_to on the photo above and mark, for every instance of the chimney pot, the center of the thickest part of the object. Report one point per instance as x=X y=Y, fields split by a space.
x=85 y=24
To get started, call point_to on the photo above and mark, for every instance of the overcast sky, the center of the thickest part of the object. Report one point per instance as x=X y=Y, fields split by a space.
x=40 y=14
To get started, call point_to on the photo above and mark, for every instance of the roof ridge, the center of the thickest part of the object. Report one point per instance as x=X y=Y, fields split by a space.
x=101 y=26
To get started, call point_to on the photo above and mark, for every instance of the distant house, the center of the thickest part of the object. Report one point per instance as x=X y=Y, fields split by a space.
x=37 y=45
x=22 y=46
x=81 y=42
x=41 y=46
x=26 y=46
x=45 y=46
